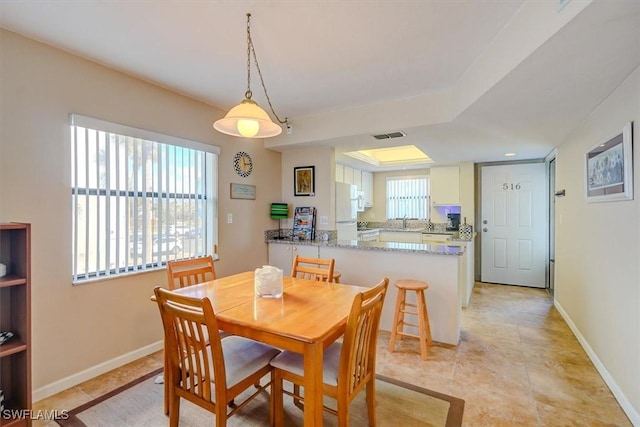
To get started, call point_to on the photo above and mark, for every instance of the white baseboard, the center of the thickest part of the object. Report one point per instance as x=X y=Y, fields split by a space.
x=94 y=371
x=628 y=409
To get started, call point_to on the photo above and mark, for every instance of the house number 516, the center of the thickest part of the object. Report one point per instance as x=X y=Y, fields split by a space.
x=512 y=186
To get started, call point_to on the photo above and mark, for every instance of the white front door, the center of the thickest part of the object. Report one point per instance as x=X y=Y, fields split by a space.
x=514 y=224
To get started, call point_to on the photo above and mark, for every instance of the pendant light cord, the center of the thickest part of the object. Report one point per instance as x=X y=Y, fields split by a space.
x=251 y=50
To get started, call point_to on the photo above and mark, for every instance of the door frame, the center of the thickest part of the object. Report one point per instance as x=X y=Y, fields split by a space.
x=551 y=220
x=478 y=208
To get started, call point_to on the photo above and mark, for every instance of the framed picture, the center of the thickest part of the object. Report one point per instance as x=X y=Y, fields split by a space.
x=304 y=181
x=243 y=191
x=609 y=169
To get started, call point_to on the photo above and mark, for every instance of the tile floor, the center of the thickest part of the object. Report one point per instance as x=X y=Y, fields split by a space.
x=517 y=363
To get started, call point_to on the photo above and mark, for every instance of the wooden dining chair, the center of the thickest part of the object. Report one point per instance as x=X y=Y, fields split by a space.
x=320 y=269
x=187 y=272
x=348 y=367
x=198 y=360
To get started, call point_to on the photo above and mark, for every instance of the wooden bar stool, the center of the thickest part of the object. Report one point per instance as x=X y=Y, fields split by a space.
x=419 y=287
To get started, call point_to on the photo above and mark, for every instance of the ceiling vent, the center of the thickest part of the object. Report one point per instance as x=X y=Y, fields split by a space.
x=390 y=135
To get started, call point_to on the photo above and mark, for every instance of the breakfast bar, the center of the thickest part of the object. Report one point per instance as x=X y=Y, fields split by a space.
x=443 y=266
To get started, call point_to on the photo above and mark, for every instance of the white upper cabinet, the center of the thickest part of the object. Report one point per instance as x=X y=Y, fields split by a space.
x=363 y=180
x=357 y=179
x=348 y=175
x=367 y=188
x=445 y=185
x=339 y=173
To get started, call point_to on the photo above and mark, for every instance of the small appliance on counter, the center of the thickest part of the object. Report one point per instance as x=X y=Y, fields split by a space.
x=453 y=221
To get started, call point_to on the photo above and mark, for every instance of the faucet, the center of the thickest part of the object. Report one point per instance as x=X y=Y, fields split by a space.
x=404 y=222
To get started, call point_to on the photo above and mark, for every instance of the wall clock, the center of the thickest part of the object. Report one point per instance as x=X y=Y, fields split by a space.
x=243 y=164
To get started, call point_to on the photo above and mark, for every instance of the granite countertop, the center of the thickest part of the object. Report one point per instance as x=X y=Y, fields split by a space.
x=416 y=230
x=433 y=249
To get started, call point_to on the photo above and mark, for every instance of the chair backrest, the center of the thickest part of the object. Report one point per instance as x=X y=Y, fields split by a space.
x=193 y=347
x=358 y=357
x=320 y=269
x=187 y=272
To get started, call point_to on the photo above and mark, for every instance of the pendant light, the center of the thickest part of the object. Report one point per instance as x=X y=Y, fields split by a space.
x=247 y=119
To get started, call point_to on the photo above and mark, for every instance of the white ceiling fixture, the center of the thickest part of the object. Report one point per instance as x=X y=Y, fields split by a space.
x=391 y=156
x=247 y=119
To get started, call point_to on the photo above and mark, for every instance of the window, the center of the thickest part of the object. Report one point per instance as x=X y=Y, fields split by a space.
x=139 y=198
x=408 y=197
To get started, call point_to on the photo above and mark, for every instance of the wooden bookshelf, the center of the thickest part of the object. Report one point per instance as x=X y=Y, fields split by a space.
x=15 y=317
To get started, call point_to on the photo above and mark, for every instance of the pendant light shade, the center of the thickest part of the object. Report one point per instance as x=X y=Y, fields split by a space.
x=247 y=120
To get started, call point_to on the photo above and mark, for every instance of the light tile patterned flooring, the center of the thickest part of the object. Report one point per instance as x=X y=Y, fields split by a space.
x=517 y=363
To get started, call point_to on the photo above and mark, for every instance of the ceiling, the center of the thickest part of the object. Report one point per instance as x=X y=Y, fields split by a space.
x=464 y=80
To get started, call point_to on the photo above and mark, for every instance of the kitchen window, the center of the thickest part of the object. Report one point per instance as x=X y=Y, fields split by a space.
x=139 y=199
x=408 y=197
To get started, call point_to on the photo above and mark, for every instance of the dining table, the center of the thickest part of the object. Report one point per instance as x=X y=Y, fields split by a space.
x=308 y=317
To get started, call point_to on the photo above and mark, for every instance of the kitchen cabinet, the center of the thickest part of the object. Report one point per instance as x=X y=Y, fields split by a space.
x=339 y=173
x=15 y=307
x=400 y=236
x=348 y=175
x=357 y=179
x=435 y=238
x=445 y=185
x=281 y=255
x=363 y=180
x=367 y=188
x=369 y=235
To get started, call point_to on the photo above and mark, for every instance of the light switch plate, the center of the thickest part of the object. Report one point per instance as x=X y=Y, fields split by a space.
x=229 y=218
x=324 y=220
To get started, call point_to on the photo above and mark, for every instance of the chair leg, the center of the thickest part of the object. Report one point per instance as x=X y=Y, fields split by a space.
x=371 y=402
x=276 y=399
x=398 y=318
x=426 y=321
x=166 y=383
x=271 y=400
x=425 y=335
x=343 y=412
x=174 y=409
x=221 y=416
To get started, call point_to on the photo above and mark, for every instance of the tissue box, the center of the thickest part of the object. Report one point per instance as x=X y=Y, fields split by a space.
x=268 y=282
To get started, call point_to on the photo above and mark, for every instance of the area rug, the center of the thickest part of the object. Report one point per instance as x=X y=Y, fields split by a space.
x=140 y=403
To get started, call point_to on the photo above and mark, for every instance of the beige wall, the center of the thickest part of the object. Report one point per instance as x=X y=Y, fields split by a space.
x=322 y=158
x=598 y=252
x=79 y=328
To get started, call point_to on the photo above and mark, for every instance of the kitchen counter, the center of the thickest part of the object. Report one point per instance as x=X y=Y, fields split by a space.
x=434 y=249
x=364 y=263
